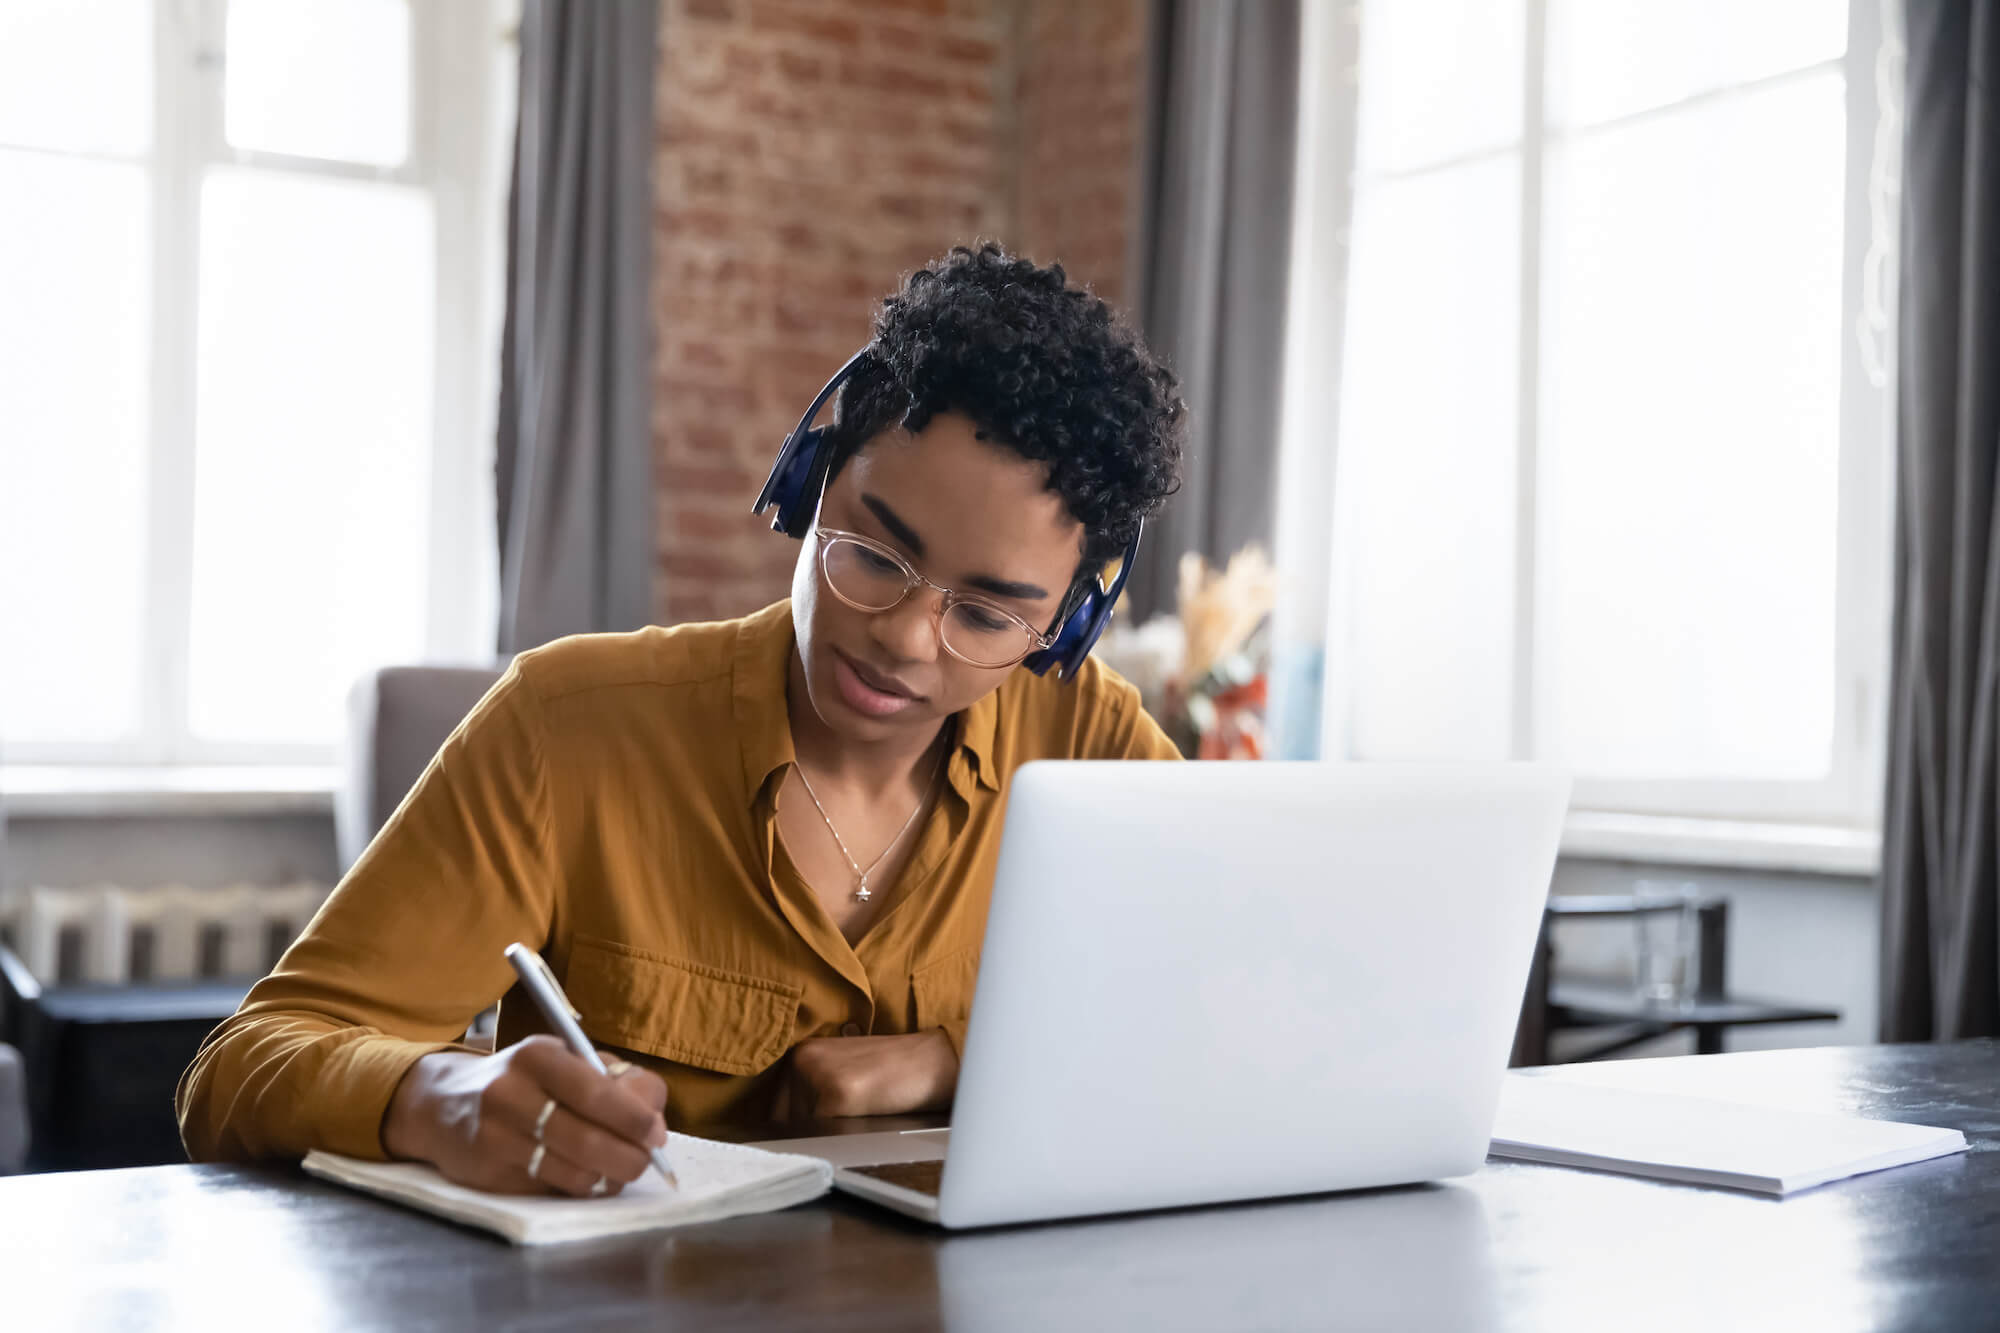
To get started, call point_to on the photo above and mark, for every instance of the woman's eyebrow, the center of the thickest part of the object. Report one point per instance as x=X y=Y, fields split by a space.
x=904 y=533
x=1027 y=592
x=893 y=521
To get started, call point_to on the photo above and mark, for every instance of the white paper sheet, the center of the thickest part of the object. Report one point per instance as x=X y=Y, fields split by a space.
x=1697 y=1141
x=716 y=1180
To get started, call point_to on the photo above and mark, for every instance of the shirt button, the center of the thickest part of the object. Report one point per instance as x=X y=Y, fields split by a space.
x=850 y=1029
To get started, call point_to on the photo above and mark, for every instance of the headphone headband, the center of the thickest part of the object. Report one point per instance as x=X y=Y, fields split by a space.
x=792 y=492
x=832 y=386
x=801 y=463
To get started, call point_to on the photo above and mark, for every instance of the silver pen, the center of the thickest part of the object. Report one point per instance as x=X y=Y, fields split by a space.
x=562 y=1016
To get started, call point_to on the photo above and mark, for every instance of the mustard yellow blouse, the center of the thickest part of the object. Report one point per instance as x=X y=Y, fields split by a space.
x=612 y=803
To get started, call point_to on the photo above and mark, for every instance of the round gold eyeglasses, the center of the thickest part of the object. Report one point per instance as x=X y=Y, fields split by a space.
x=869 y=576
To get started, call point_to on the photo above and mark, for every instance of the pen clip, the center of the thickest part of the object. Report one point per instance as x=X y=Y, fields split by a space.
x=541 y=965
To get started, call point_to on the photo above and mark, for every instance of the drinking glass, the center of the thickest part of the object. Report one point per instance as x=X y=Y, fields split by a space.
x=1665 y=928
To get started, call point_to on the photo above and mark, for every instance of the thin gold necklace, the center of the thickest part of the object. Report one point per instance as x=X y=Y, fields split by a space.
x=862 y=893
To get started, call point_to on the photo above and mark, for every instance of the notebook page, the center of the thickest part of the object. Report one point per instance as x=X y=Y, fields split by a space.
x=1694 y=1139
x=716 y=1180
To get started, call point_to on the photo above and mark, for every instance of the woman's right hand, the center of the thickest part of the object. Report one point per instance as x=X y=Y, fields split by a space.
x=473 y=1117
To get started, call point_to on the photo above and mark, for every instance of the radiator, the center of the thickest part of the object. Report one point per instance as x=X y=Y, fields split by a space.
x=113 y=935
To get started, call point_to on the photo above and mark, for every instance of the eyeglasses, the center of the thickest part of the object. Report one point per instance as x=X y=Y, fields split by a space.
x=868 y=576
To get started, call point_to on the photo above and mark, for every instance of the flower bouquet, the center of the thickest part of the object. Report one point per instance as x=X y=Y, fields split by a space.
x=1203 y=672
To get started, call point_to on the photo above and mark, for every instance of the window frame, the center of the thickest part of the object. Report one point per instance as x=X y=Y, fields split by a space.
x=453 y=158
x=1849 y=795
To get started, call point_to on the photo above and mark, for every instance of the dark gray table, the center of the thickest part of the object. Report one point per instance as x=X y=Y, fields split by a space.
x=1515 y=1246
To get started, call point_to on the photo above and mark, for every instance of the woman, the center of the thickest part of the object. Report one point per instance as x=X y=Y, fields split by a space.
x=758 y=853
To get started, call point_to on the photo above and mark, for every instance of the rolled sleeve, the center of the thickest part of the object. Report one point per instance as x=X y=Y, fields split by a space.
x=406 y=951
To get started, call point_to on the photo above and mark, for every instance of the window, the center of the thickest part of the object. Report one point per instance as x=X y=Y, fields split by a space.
x=248 y=332
x=1612 y=478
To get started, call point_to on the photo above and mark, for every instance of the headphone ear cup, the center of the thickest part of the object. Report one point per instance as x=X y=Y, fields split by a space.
x=1076 y=638
x=790 y=484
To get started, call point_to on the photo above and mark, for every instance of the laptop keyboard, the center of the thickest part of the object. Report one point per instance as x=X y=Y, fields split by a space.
x=922 y=1177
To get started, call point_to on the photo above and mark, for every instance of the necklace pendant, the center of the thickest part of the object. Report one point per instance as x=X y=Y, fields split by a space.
x=863 y=894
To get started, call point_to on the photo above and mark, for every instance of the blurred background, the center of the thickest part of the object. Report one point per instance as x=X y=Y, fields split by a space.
x=1548 y=363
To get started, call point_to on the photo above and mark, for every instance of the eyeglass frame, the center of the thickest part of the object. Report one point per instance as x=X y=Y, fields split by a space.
x=951 y=597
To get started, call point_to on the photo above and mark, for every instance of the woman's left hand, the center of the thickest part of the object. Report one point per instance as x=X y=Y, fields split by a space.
x=847 y=1076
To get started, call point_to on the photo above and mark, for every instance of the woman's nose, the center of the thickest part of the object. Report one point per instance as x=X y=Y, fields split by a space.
x=908 y=631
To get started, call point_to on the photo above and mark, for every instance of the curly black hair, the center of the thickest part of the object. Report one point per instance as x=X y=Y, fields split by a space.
x=1038 y=365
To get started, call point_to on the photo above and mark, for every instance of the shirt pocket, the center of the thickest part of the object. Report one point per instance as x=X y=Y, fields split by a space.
x=688 y=1012
x=942 y=988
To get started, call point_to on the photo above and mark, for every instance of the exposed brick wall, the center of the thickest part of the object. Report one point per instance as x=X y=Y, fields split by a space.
x=811 y=152
x=1081 y=77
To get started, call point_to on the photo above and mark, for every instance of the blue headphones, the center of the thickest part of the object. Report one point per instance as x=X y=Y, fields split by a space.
x=799 y=475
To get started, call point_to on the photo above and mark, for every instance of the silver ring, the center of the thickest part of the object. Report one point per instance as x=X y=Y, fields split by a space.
x=542 y=1120
x=601 y=1188
x=535 y=1162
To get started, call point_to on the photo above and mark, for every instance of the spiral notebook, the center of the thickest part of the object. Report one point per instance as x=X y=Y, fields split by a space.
x=1696 y=1141
x=717 y=1180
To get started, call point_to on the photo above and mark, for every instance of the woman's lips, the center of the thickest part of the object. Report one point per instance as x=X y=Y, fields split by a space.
x=857 y=691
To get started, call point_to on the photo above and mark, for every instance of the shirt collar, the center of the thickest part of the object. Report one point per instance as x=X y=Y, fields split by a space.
x=975 y=738
x=764 y=726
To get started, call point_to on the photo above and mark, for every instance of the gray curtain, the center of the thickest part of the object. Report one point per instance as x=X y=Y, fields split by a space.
x=1213 y=246
x=574 y=455
x=1940 y=862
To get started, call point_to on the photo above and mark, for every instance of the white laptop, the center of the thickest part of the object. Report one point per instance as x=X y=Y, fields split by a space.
x=1207 y=982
